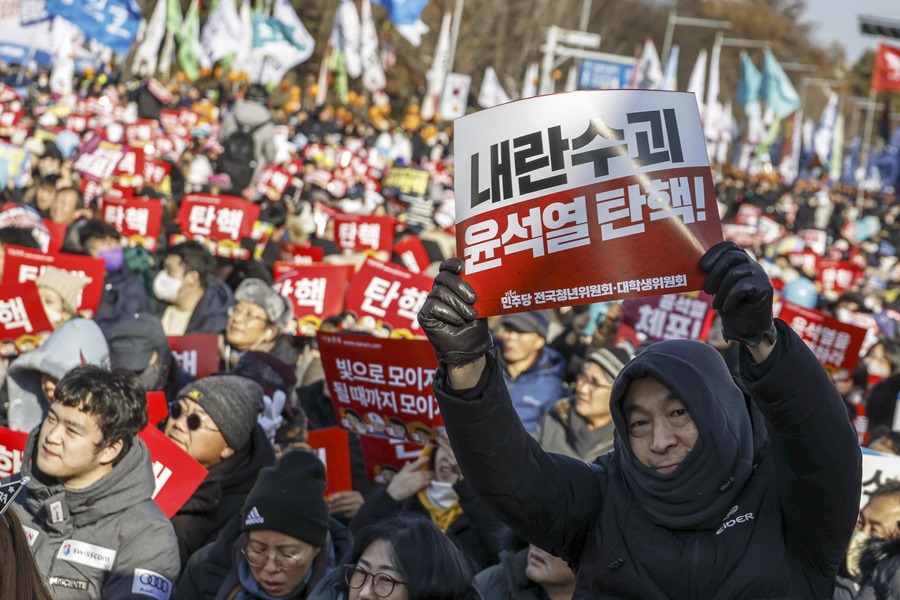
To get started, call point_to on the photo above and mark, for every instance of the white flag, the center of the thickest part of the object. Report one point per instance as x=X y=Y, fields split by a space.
x=63 y=45
x=413 y=33
x=165 y=55
x=648 y=71
x=243 y=45
x=670 y=77
x=304 y=43
x=456 y=96
x=790 y=164
x=530 y=85
x=824 y=134
x=438 y=71
x=222 y=28
x=373 y=73
x=711 y=117
x=491 y=92
x=349 y=33
x=697 y=82
x=147 y=53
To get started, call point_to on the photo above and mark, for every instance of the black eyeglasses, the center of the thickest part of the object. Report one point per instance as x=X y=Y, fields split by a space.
x=260 y=558
x=193 y=420
x=382 y=583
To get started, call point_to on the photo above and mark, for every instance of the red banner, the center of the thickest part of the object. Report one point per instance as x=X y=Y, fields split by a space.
x=382 y=386
x=300 y=255
x=332 y=446
x=12 y=447
x=24 y=264
x=23 y=324
x=98 y=159
x=384 y=458
x=412 y=254
x=886 y=72
x=157 y=407
x=137 y=219
x=837 y=276
x=359 y=233
x=177 y=474
x=316 y=292
x=835 y=344
x=217 y=217
x=670 y=317
x=389 y=294
x=197 y=353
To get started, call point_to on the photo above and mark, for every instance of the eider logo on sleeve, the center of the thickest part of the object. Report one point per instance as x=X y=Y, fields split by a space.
x=728 y=521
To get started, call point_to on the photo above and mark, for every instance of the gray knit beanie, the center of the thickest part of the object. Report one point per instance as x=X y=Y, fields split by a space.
x=611 y=360
x=232 y=402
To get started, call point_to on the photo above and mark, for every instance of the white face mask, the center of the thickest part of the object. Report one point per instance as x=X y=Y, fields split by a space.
x=441 y=495
x=166 y=287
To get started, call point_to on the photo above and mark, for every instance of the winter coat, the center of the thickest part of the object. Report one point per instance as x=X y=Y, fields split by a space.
x=557 y=433
x=221 y=495
x=211 y=573
x=538 y=388
x=880 y=571
x=248 y=115
x=211 y=313
x=123 y=295
x=108 y=540
x=76 y=342
x=507 y=580
x=783 y=537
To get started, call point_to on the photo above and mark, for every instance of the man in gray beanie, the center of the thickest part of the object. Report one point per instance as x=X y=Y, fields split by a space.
x=215 y=421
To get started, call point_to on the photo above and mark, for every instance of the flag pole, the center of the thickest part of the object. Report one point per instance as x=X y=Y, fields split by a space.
x=867 y=138
x=454 y=38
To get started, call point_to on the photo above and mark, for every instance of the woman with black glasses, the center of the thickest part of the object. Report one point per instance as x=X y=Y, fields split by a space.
x=403 y=558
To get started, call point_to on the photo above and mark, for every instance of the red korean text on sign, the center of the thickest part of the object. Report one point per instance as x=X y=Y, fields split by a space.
x=835 y=344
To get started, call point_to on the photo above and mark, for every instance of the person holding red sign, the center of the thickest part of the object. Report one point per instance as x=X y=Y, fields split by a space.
x=718 y=488
x=93 y=527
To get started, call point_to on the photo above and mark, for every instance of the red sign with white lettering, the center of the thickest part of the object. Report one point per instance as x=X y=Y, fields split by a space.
x=137 y=219
x=23 y=323
x=359 y=233
x=300 y=255
x=315 y=291
x=384 y=457
x=834 y=343
x=217 y=217
x=197 y=353
x=412 y=254
x=12 y=447
x=25 y=264
x=332 y=446
x=177 y=474
x=389 y=294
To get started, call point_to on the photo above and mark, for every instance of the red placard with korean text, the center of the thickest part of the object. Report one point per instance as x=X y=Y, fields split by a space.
x=837 y=276
x=137 y=219
x=385 y=457
x=412 y=254
x=671 y=317
x=155 y=171
x=835 y=344
x=23 y=323
x=382 y=386
x=157 y=407
x=25 y=264
x=300 y=255
x=141 y=132
x=12 y=447
x=389 y=294
x=359 y=233
x=98 y=158
x=177 y=474
x=315 y=291
x=583 y=197
x=197 y=353
x=332 y=446
x=129 y=172
x=217 y=217
x=272 y=181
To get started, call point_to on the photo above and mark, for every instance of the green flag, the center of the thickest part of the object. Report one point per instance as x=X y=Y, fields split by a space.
x=188 y=37
x=173 y=16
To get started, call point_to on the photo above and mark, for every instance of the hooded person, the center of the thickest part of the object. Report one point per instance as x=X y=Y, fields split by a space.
x=214 y=420
x=718 y=488
x=257 y=322
x=33 y=376
x=279 y=546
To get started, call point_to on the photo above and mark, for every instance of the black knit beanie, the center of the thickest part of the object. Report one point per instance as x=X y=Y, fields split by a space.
x=290 y=498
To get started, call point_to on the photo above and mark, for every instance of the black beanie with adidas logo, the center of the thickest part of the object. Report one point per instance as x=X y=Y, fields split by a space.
x=290 y=498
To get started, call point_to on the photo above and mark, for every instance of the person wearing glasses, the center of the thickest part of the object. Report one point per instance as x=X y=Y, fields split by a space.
x=279 y=547
x=581 y=426
x=215 y=421
x=256 y=322
x=402 y=558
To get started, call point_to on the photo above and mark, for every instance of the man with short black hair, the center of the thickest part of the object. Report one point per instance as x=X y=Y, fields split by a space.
x=87 y=511
x=197 y=301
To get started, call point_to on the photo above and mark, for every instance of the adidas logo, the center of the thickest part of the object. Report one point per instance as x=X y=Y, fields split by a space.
x=254 y=518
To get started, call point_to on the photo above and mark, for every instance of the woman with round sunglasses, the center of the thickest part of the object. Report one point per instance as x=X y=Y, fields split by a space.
x=403 y=558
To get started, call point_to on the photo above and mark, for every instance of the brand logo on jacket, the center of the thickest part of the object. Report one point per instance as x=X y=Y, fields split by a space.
x=86 y=554
x=152 y=584
x=73 y=584
x=728 y=521
x=30 y=535
x=254 y=518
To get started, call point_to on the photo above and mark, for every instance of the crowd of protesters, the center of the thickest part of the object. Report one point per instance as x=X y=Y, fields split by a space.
x=260 y=524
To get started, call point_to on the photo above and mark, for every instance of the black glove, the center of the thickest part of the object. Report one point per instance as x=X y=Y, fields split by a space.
x=449 y=319
x=742 y=294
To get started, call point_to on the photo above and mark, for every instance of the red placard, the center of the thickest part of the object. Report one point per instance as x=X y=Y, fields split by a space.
x=835 y=344
x=137 y=219
x=272 y=181
x=389 y=294
x=412 y=254
x=177 y=474
x=129 y=172
x=197 y=353
x=358 y=233
x=12 y=447
x=24 y=264
x=155 y=171
x=316 y=292
x=837 y=276
x=297 y=254
x=217 y=217
x=382 y=386
x=157 y=407
x=23 y=324
x=57 y=235
x=384 y=457
x=805 y=260
x=141 y=132
x=98 y=158
x=670 y=317
x=886 y=72
x=332 y=446
x=10 y=117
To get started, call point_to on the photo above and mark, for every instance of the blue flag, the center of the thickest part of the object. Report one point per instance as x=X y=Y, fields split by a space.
x=777 y=90
x=113 y=23
x=750 y=83
x=403 y=12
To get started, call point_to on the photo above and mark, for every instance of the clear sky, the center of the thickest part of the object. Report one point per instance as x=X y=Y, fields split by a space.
x=837 y=20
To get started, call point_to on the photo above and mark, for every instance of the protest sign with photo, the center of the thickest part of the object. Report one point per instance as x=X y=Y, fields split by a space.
x=23 y=323
x=196 y=353
x=583 y=197
x=409 y=180
x=389 y=294
x=835 y=344
x=24 y=264
x=177 y=474
x=382 y=386
x=412 y=254
x=221 y=222
x=385 y=457
x=315 y=291
x=671 y=317
x=138 y=219
x=332 y=446
x=359 y=233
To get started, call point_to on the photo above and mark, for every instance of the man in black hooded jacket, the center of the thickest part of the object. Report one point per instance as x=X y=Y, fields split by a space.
x=717 y=489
